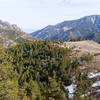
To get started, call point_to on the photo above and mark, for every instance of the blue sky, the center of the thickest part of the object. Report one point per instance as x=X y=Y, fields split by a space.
x=31 y=15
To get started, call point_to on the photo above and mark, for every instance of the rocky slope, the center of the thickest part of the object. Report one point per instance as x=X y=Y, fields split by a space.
x=11 y=34
x=87 y=28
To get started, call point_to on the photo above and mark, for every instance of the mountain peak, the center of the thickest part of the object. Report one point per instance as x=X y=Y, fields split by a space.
x=7 y=26
x=11 y=34
x=87 y=27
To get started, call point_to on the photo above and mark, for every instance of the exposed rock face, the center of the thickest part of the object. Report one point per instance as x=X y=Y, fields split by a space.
x=11 y=34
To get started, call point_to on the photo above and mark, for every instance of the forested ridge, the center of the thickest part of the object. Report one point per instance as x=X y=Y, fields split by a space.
x=40 y=70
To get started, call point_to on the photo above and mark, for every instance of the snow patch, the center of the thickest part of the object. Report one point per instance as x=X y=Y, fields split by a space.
x=93 y=75
x=86 y=94
x=96 y=84
x=71 y=88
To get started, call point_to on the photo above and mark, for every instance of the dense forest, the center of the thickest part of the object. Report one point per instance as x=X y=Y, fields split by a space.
x=41 y=70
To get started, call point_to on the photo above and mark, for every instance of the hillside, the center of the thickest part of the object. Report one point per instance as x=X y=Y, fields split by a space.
x=50 y=70
x=84 y=47
x=88 y=50
x=11 y=34
x=87 y=28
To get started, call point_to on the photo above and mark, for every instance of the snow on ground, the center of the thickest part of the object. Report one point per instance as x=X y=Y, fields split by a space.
x=71 y=88
x=98 y=90
x=97 y=83
x=89 y=93
x=86 y=94
x=93 y=75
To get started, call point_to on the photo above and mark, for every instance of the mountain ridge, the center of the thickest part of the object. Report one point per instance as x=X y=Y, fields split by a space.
x=87 y=28
x=11 y=34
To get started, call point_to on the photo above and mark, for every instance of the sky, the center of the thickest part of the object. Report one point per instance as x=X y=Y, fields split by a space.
x=31 y=15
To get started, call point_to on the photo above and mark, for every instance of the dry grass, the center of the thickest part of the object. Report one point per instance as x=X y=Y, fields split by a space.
x=83 y=47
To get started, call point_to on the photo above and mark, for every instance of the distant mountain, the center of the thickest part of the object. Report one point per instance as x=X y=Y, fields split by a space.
x=87 y=28
x=11 y=34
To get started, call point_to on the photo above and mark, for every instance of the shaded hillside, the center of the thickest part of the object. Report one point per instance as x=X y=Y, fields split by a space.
x=87 y=28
